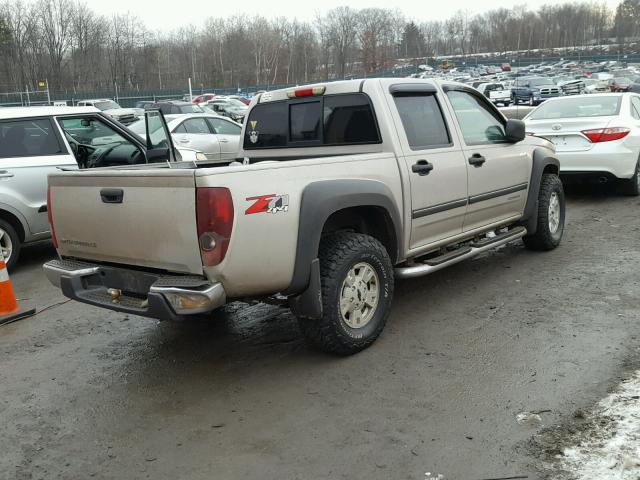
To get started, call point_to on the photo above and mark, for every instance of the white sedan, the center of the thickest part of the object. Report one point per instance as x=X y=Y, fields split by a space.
x=596 y=136
x=217 y=137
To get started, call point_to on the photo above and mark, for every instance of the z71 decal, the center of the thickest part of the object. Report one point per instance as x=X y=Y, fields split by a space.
x=271 y=203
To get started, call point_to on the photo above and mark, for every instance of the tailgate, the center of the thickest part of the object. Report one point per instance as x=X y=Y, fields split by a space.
x=152 y=225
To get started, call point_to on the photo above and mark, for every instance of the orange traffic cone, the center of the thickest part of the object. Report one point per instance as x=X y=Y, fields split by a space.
x=9 y=310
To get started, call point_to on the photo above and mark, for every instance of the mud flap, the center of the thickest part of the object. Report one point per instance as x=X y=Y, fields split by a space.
x=309 y=303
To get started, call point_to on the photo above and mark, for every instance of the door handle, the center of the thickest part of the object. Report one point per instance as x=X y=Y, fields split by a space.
x=5 y=174
x=112 y=195
x=422 y=167
x=223 y=140
x=184 y=140
x=476 y=160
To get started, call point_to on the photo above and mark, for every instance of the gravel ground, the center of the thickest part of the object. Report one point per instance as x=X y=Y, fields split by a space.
x=86 y=393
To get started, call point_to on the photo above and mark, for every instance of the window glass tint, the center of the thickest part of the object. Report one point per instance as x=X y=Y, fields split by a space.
x=180 y=129
x=28 y=138
x=592 y=106
x=196 y=125
x=635 y=107
x=477 y=121
x=223 y=127
x=267 y=126
x=423 y=122
x=349 y=119
x=304 y=121
x=327 y=120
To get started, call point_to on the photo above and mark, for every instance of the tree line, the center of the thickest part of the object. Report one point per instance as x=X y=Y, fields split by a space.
x=78 y=50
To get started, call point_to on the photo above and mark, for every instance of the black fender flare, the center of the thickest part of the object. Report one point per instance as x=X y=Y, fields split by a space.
x=541 y=160
x=318 y=202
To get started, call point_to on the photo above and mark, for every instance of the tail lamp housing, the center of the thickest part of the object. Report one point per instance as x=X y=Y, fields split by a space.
x=214 y=218
x=599 y=135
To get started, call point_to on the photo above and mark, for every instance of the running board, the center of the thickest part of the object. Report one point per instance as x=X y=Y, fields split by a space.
x=467 y=252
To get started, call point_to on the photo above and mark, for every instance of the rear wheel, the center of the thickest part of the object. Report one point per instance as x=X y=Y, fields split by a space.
x=357 y=288
x=632 y=186
x=531 y=101
x=9 y=243
x=550 y=215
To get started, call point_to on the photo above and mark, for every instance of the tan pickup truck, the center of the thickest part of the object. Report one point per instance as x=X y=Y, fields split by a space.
x=338 y=190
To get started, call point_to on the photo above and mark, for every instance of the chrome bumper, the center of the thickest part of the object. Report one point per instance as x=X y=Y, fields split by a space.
x=165 y=297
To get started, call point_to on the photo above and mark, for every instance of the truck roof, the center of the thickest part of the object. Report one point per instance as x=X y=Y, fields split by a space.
x=341 y=86
x=46 y=111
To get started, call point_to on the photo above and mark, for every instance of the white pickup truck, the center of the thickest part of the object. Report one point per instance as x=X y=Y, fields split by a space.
x=339 y=189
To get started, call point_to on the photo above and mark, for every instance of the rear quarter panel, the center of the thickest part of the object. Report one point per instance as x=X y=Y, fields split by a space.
x=261 y=255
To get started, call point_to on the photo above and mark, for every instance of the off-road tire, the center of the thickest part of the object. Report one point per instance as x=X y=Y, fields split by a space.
x=15 y=241
x=631 y=186
x=544 y=238
x=339 y=253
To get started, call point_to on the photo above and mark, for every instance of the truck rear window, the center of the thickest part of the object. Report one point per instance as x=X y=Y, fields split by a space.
x=345 y=119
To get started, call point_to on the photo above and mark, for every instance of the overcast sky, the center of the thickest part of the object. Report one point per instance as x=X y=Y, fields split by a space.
x=168 y=15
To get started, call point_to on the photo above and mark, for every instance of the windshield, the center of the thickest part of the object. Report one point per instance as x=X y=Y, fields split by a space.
x=578 y=107
x=108 y=105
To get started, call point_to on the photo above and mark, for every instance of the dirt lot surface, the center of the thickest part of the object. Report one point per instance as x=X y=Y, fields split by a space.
x=86 y=393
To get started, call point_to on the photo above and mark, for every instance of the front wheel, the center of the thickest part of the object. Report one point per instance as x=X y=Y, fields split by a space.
x=550 y=215
x=357 y=287
x=9 y=244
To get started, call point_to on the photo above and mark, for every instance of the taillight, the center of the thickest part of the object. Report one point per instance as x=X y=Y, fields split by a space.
x=599 y=135
x=54 y=240
x=214 y=216
x=306 y=92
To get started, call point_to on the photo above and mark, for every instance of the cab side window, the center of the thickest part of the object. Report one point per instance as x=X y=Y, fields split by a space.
x=479 y=124
x=423 y=121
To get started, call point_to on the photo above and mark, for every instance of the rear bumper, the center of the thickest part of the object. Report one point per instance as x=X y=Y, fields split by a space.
x=164 y=297
x=617 y=161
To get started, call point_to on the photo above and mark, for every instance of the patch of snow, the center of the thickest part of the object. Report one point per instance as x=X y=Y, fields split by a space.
x=611 y=449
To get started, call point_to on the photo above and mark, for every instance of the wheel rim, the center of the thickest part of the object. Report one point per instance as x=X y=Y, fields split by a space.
x=531 y=101
x=554 y=213
x=6 y=245
x=359 y=295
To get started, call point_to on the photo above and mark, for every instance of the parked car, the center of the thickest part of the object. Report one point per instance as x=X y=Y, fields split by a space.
x=175 y=107
x=572 y=87
x=596 y=136
x=409 y=173
x=592 y=85
x=37 y=141
x=496 y=93
x=244 y=100
x=204 y=98
x=125 y=116
x=143 y=104
x=229 y=107
x=534 y=90
x=619 y=84
x=215 y=136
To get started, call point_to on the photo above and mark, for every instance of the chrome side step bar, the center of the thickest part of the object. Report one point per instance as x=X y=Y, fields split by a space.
x=475 y=249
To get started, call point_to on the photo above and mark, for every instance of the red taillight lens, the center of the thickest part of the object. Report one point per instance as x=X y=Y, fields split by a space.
x=214 y=216
x=54 y=240
x=599 y=135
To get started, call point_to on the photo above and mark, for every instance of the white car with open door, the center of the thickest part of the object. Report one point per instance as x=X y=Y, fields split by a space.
x=596 y=136
x=215 y=136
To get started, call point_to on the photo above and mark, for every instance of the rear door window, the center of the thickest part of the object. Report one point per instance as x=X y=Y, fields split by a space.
x=197 y=126
x=28 y=138
x=223 y=127
x=423 y=121
x=345 y=119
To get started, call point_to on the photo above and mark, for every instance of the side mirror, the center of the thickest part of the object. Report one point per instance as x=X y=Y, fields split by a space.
x=515 y=131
